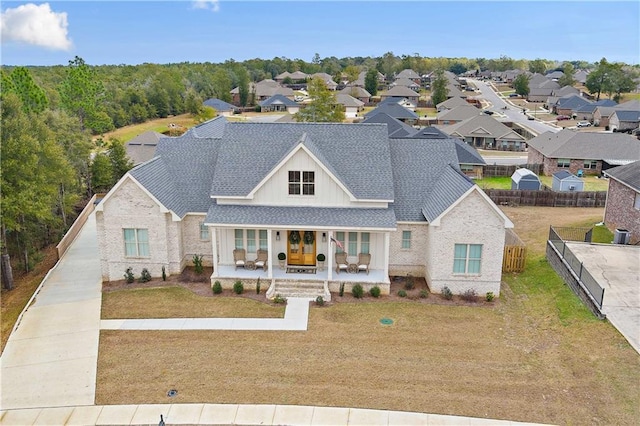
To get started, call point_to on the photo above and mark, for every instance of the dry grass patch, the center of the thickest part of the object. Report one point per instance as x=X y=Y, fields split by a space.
x=178 y=302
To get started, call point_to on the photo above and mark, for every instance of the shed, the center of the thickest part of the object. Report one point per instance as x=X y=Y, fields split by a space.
x=525 y=179
x=565 y=181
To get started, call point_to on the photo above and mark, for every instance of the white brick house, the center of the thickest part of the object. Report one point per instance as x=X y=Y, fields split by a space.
x=403 y=201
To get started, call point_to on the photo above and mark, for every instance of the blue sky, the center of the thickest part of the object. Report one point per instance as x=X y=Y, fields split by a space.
x=134 y=32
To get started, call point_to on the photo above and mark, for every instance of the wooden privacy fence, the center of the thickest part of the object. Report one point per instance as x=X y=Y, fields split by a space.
x=73 y=232
x=514 y=253
x=518 y=197
x=491 y=170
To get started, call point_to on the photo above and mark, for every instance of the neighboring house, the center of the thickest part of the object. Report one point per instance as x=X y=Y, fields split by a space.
x=294 y=76
x=602 y=114
x=405 y=82
x=279 y=103
x=569 y=105
x=263 y=90
x=581 y=76
x=622 y=210
x=357 y=92
x=590 y=152
x=451 y=103
x=401 y=92
x=328 y=80
x=540 y=93
x=296 y=189
x=623 y=120
x=409 y=74
x=222 y=108
x=525 y=179
x=454 y=92
x=404 y=102
x=585 y=112
x=565 y=181
x=457 y=114
x=395 y=127
x=352 y=106
x=396 y=111
x=143 y=147
x=555 y=75
x=484 y=131
x=563 y=92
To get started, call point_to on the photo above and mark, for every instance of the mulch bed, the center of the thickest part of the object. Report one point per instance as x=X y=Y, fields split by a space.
x=201 y=285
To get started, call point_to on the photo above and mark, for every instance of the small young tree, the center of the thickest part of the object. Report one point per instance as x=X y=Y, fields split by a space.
x=371 y=81
x=323 y=107
x=439 y=91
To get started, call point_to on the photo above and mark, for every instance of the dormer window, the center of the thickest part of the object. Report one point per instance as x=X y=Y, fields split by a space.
x=302 y=183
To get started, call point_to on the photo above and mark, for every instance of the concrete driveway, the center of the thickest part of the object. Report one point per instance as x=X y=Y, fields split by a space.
x=50 y=360
x=617 y=270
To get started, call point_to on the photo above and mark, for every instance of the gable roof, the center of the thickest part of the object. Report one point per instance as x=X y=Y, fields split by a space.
x=565 y=175
x=143 y=147
x=209 y=129
x=356 y=91
x=484 y=124
x=405 y=82
x=629 y=175
x=219 y=105
x=459 y=113
x=633 y=104
x=572 y=102
x=401 y=91
x=278 y=99
x=349 y=151
x=524 y=174
x=407 y=73
x=591 y=107
x=394 y=110
x=626 y=115
x=395 y=127
x=348 y=100
x=610 y=147
x=452 y=103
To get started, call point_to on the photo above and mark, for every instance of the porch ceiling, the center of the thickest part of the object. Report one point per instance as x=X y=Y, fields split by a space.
x=279 y=216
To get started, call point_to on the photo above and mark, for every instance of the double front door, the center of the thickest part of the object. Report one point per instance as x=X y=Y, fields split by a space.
x=301 y=248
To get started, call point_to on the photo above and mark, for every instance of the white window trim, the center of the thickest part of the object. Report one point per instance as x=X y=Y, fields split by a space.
x=203 y=228
x=301 y=183
x=137 y=243
x=403 y=239
x=467 y=259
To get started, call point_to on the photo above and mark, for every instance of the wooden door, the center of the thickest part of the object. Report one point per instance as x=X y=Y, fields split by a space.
x=301 y=248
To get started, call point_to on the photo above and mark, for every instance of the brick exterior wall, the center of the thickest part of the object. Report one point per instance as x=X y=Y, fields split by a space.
x=191 y=242
x=550 y=165
x=473 y=221
x=408 y=261
x=620 y=212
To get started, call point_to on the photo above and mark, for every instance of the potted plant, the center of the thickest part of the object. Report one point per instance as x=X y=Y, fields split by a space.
x=281 y=258
x=320 y=258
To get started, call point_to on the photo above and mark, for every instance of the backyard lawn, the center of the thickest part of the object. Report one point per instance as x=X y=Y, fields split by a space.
x=529 y=356
x=160 y=125
x=591 y=183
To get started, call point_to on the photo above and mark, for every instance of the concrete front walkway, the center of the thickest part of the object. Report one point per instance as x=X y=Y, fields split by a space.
x=232 y=414
x=296 y=317
x=50 y=359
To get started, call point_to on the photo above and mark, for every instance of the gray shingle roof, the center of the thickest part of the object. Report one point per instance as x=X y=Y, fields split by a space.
x=143 y=147
x=400 y=91
x=301 y=216
x=628 y=174
x=587 y=145
x=572 y=102
x=348 y=100
x=394 y=110
x=459 y=113
x=418 y=168
x=352 y=151
x=625 y=115
x=395 y=127
x=278 y=100
x=355 y=91
x=219 y=105
x=209 y=129
x=480 y=124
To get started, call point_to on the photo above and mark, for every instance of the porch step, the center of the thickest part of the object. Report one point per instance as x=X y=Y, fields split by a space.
x=300 y=288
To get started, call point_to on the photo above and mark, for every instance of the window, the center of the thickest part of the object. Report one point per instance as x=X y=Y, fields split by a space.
x=564 y=163
x=353 y=243
x=467 y=258
x=251 y=241
x=636 y=202
x=204 y=232
x=591 y=164
x=239 y=236
x=406 y=239
x=305 y=187
x=364 y=242
x=340 y=239
x=136 y=242
x=264 y=243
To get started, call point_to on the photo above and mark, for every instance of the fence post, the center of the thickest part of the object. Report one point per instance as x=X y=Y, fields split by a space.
x=564 y=246
x=580 y=273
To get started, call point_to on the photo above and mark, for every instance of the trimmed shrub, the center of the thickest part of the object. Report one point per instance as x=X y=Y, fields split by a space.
x=320 y=301
x=128 y=275
x=375 y=291
x=282 y=256
x=469 y=295
x=217 y=287
x=489 y=297
x=409 y=283
x=145 y=276
x=402 y=293
x=258 y=286
x=424 y=294
x=357 y=291
x=164 y=273
x=341 y=289
x=447 y=293
x=197 y=264
x=321 y=257
x=238 y=287
x=279 y=299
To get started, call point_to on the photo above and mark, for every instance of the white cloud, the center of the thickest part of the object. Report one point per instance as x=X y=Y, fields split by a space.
x=36 y=24
x=212 y=5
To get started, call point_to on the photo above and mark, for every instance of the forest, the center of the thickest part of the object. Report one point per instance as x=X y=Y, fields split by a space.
x=53 y=159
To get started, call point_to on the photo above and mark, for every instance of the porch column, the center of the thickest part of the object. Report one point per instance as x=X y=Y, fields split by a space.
x=387 y=243
x=269 y=255
x=214 y=250
x=330 y=257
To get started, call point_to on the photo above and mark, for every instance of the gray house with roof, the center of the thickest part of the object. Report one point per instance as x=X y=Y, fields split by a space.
x=279 y=103
x=304 y=189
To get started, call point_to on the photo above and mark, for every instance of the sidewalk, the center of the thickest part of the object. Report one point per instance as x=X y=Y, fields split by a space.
x=231 y=414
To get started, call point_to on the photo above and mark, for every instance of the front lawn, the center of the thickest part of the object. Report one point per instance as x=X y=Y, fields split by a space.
x=536 y=355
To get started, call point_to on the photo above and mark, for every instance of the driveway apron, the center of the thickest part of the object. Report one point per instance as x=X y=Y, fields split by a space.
x=50 y=359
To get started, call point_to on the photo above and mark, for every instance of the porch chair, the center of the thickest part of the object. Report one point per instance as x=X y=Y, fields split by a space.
x=262 y=260
x=341 y=262
x=239 y=257
x=363 y=262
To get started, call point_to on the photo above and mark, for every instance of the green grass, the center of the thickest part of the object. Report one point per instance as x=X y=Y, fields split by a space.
x=496 y=182
x=504 y=182
x=159 y=125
